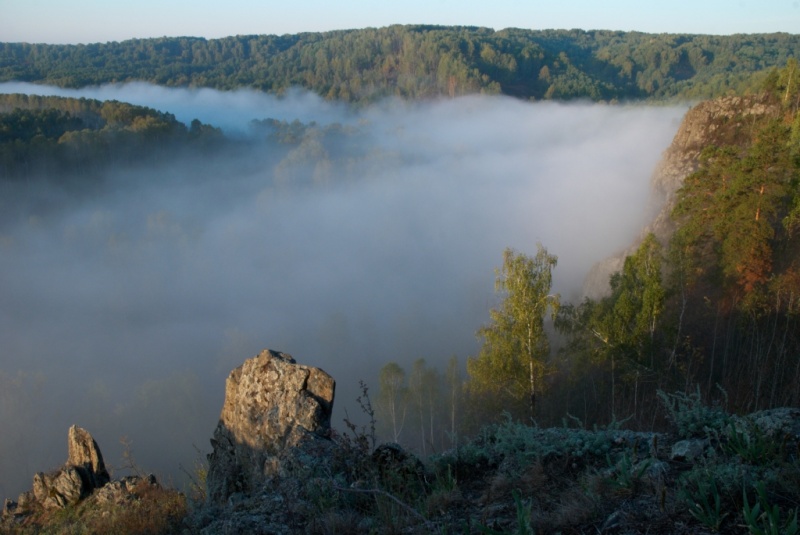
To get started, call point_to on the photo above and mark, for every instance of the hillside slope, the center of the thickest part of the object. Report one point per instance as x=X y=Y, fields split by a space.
x=419 y=62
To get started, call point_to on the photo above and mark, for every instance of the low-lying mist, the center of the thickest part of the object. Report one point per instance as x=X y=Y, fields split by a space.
x=124 y=312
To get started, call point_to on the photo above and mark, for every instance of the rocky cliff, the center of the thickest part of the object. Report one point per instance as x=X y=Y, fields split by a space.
x=708 y=123
x=278 y=468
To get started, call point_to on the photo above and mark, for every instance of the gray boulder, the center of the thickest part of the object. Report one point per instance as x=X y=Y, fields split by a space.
x=275 y=421
x=688 y=450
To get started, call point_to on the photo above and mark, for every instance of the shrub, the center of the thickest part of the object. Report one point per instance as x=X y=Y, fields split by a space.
x=690 y=416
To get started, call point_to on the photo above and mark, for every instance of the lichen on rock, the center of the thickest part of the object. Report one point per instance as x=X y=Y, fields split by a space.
x=275 y=412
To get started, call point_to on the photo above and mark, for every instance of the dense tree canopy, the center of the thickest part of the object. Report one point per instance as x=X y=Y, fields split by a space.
x=63 y=137
x=421 y=61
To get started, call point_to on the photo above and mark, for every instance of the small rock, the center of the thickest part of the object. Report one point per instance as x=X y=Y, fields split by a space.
x=688 y=450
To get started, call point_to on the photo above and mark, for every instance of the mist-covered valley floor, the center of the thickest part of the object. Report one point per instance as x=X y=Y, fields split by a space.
x=123 y=310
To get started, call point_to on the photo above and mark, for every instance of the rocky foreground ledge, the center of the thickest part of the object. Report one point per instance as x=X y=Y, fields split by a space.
x=274 y=425
x=82 y=478
x=277 y=467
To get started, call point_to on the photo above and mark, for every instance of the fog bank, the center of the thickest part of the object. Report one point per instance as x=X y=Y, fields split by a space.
x=124 y=312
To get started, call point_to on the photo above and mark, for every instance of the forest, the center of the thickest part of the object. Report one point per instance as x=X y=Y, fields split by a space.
x=704 y=316
x=417 y=62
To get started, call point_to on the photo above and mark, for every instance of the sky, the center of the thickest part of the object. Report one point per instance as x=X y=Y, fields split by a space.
x=91 y=21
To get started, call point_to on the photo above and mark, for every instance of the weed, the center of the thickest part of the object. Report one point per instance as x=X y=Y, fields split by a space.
x=197 y=477
x=626 y=475
x=764 y=518
x=524 y=526
x=444 y=493
x=705 y=502
x=690 y=416
x=751 y=444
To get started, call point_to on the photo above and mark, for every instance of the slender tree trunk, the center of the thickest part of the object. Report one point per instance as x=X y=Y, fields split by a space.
x=613 y=389
x=531 y=370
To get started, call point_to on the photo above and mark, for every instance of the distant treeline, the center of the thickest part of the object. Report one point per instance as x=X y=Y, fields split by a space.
x=75 y=140
x=63 y=137
x=420 y=62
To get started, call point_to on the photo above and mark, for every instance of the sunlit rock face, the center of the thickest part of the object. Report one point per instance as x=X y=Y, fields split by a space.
x=85 y=453
x=708 y=123
x=276 y=417
x=83 y=472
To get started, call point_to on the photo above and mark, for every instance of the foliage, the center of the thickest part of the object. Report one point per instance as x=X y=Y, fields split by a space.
x=54 y=136
x=705 y=502
x=511 y=363
x=750 y=443
x=421 y=62
x=735 y=250
x=621 y=331
x=626 y=474
x=764 y=518
x=690 y=416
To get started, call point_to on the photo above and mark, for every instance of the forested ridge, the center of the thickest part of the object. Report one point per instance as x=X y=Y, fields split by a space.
x=421 y=61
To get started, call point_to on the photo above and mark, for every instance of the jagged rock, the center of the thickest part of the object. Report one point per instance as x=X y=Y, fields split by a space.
x=9 y=508
x=25 y=503
x=125 y=489
x=275 y=418
x=83 y=472
x=84 y=453
x=66 y=488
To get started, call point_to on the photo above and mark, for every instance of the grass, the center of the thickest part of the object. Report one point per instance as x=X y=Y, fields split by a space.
x=149 y=510
x=511 y=479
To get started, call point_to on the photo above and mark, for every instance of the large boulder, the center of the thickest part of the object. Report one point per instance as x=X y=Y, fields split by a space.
x=276 y=415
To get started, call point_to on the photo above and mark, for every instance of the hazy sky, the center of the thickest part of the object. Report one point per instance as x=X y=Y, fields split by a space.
x=85 y=21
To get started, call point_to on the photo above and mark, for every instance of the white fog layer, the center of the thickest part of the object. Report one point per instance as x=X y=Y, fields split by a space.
x=124 y=312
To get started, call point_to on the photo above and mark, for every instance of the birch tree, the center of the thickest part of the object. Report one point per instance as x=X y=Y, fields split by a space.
x=511 y=362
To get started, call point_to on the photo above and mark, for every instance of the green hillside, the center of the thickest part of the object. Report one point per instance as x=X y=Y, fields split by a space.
x=421 y=61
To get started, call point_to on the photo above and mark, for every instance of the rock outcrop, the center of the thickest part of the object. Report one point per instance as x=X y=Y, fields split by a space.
x=83 y=475
x=708 y=123
x=84 y=454
x=276 y=417
x=83 y=472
